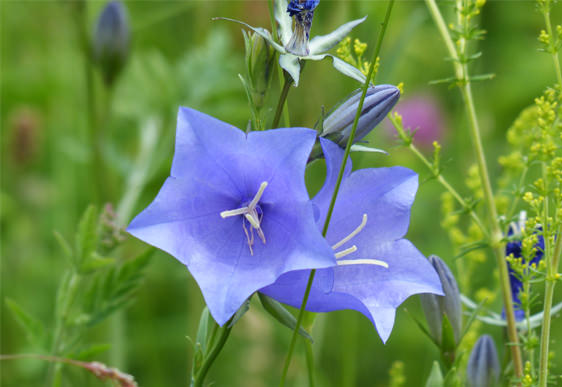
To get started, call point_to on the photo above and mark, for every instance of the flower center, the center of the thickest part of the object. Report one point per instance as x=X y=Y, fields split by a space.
x=352 y=249
x=253 y=216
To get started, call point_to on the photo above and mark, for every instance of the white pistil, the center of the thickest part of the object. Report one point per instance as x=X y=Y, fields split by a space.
x=345 y=252
x=352 y=249
x=345 y=262
x=353 y=233
x=250 y=214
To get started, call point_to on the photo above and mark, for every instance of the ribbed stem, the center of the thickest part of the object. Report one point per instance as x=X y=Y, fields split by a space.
x=337 y=187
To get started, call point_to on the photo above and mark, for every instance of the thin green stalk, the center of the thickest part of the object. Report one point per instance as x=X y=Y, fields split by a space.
x=282 y=99
x=443 y=181
x=555 y=58
x=337 y=187
x=551 y=278
x=309 y=362
x=209 y=360
x=496 y=236
x=63 y=306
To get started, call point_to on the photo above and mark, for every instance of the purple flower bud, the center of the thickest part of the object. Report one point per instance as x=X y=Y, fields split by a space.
x=435 y=307
x=112 y=40
x=378 y=102
x=483 y=369
x=303 y=12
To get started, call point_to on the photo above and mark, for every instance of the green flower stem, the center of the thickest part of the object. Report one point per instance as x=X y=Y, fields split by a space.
x=210 y=359
x=551 y=278
x=552 y=262
x=496 y=236
x=309 y=362
x=282 y=99
x=69 y=288
x=555 y=58
x=337 y=187
x=441 y=179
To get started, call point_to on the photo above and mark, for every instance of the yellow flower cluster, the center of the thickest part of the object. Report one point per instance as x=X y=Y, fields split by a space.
x=353 y=54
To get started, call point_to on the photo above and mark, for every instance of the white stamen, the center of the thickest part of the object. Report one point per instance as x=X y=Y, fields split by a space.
x=376 y=262
x=238 y=211
x=257 y=198
x=353 y=233
x=250 y=214
x=254 y=222
x=345 y=252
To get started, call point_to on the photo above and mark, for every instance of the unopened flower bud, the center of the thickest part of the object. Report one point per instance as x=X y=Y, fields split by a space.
x=111 y=40
x=435 y=307
x=483 y=369
x=379 y=100
x=260 y=57
x=303 y=12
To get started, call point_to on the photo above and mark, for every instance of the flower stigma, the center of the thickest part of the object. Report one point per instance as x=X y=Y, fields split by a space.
x=253 y=215
x=352 y=249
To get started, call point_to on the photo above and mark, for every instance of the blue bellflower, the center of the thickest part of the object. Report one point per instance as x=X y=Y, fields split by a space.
x=376 y=268
x=235 y=209
x=514 y=247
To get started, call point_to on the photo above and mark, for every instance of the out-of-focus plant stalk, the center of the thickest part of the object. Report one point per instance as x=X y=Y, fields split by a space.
x=368 y=79
x=440 y=178
x=496 y=236
x=65 y=297
x=552 y=261
x=95 y=144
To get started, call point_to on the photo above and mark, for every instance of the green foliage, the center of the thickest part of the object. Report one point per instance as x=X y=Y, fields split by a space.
x=281 y=314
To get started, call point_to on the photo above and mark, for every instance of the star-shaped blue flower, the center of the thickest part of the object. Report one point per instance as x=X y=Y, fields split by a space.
x=377 y=269
x=235 y=209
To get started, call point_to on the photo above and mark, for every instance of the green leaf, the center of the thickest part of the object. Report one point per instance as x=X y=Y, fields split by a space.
x=281 y=314
x=63 y=244
x=435 y=378
x=91 y=351
x=95 y=262
x=322 y=43
x=87 y=236
x=203 y=330
x=33 y=328
x=422 y=328
x=240 y=312
x=258 y=30
x=448 y=343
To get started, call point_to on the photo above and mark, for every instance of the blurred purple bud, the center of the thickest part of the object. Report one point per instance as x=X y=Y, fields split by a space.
x=435 y=307
x=423 y=114
x=483 y=369
x=378 y=103
x=112 y=40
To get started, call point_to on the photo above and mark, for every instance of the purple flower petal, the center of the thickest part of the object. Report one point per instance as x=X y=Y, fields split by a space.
x=218 y=168
x=385 y=195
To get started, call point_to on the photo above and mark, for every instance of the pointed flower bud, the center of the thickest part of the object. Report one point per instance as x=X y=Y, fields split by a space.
x=435 y=307
x=483 y=369
x=378 y=103
x=260 y=58
x=111 y=40
x=303 y=12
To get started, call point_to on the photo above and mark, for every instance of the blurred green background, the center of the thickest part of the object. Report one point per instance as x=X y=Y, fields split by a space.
x=180 y=57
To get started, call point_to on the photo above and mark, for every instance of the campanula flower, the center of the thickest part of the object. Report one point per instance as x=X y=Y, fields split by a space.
x=291 y=53
x=435 y=306
x=235 y=209
x=111 y=40
x=515 y=247
x=483 y=368
x=376 y=268
x=379 y=100
x=303 y=12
